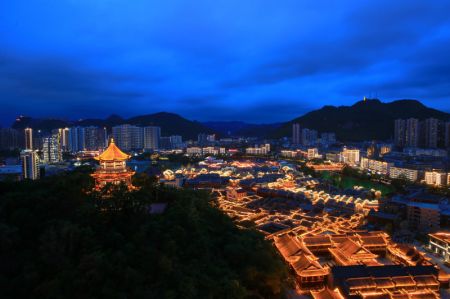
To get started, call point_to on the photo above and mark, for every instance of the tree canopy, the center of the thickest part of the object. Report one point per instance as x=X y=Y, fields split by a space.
x=58 y=239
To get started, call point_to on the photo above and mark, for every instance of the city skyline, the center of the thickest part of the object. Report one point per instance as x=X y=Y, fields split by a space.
x=216 y=62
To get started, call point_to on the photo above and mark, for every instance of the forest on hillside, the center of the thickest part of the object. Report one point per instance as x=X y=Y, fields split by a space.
x=60 y=240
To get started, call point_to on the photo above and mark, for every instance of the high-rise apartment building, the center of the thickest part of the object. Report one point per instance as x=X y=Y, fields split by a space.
x=64 y=139
x=430 y=133
x=30 y=164
x=76 y=139
x=28 y=138
x=10 y=139
x=412 y=132
x=296 y=134
x=202 y=139
x=309 y=137
x=51 y=149
x=447 y=134
x=95 y=138
x=176 y=141
x=87 y=138
x=128 y=137
x=400 y=132
x=151 y=137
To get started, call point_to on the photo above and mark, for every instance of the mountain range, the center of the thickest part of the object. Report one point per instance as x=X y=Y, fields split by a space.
x=365 y=120
x=170 y=123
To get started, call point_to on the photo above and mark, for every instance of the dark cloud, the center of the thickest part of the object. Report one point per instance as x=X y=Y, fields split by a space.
x=259 y=61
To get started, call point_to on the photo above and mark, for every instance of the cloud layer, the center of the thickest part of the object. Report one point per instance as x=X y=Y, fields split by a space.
x=259 y=61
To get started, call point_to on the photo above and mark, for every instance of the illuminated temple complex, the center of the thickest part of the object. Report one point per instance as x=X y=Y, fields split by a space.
x=358 y=265
x=113 y=168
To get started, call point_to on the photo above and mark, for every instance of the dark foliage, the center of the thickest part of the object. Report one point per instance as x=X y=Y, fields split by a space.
x=58 y=241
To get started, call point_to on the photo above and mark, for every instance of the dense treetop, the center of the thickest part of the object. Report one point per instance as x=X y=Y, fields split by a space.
x=59 y=241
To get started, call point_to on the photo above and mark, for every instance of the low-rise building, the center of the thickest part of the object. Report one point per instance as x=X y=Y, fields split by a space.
x=258 y=150
x=289 y=154
x=435 y=178
x=193 y=151
x=440 y=244
x=351 y=156
x=312 y=153
x=380 y=167
x=406 y=173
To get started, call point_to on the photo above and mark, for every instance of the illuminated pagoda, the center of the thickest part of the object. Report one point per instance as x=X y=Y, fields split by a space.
x=113 y=168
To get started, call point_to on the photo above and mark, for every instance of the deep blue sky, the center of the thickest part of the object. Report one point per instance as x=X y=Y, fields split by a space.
x=259 y=61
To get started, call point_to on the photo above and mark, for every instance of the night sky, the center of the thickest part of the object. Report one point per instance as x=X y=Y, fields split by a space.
x=257 y=61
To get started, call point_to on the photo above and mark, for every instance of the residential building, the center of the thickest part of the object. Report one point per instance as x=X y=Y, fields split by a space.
x=258 y=150
x=28 y=138
x=176 y=141
x=165 y=143
x=30 y=164
x=309 y=137
x=425 y=212
x=405 y=173
x=435 y=178
x=76 y=140
x=312 y=153
x=210 y=150
x=128 y=137
x=423 y=216
x=400 y=132
x=10 y=139
x=95 y=138
x=296 y=134
x=289 y=154
x=202 y=139
x=379 y=167
x=63 y=134
x=194 y=151
x=412 y=132
x=151 y=137
x=447 y=134
x=334 y=157
x=51 y=149
x=351 y=156
x=430 y=133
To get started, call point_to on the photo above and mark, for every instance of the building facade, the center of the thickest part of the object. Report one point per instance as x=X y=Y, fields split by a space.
x=128 y=137
x=51 y=149
x=408 y=174
x=30 y=164
x=151 y=137
x=296 y=134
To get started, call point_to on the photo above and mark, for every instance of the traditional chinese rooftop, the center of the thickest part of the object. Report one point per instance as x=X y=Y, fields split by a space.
x=112 y=153
x=442 y=236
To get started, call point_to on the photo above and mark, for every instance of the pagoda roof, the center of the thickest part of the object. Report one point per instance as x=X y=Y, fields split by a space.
x=112 y=153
